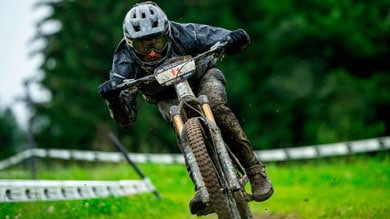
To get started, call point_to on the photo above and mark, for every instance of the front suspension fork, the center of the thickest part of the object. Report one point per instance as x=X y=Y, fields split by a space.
x=191 y=163
x=178 y=124
x=177 y=119
x=206 y=109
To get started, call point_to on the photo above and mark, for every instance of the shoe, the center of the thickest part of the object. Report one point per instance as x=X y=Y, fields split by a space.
x=261 y=185
x=198 y=207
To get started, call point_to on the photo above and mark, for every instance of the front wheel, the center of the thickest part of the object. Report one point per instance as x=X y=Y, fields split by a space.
x=224 y=203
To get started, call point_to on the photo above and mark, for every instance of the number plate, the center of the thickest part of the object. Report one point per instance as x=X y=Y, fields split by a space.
x=169 y=73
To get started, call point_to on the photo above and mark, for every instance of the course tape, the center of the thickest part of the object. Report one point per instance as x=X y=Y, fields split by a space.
x=283 y=154
x=325 y=150
x=57 y=190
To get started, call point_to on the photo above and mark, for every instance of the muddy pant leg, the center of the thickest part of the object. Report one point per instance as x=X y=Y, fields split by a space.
x=164 y=107
x=212 y=85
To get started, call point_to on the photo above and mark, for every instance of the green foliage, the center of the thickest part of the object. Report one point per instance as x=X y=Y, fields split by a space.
x=297 y=48
x=316 y=72
x=77 y=59
x=10 y=134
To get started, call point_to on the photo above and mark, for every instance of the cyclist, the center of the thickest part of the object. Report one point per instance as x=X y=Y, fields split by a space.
x=149 y=40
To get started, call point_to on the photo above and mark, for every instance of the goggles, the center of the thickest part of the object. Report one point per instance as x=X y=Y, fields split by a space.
x=143 y=46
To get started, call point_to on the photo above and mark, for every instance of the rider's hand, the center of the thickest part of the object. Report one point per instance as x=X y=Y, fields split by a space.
x=238 y=41
x=107 y=91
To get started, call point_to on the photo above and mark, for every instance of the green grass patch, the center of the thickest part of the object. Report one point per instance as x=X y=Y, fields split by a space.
x=345 y=187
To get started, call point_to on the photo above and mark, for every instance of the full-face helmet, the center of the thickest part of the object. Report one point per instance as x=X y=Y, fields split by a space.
x=146 y=27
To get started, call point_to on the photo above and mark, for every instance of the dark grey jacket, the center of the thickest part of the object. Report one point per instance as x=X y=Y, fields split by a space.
x=187 y=39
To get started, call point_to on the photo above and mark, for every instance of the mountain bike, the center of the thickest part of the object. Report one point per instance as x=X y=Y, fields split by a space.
x=216 y=172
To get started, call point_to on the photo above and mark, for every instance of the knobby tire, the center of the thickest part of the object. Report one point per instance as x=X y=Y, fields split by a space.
x=221 y=204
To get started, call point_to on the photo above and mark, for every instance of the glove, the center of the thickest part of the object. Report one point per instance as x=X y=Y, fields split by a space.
x=238 y=41
x=107 y=91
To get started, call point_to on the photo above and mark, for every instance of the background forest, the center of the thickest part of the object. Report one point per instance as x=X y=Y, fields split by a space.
x=315 y=72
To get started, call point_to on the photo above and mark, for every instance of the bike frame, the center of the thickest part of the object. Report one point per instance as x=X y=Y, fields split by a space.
x=192 y=107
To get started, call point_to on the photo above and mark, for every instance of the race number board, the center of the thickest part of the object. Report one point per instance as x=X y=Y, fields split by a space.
x=174 y=71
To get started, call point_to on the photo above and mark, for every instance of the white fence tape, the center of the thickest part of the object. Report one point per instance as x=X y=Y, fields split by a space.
x=307 y=152
x=13 y=160
x=325 y=150
x=55 y=190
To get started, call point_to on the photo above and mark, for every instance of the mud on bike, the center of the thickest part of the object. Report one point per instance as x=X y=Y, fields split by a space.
x=216 y=172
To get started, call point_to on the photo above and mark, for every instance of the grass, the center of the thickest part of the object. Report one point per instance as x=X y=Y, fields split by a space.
x=346 y=187
x=337 y=188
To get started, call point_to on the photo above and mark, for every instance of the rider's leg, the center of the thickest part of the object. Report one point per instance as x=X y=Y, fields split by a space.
x=212 y=84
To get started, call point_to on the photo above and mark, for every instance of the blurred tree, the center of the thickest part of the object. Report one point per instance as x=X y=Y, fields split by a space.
x=10 y=134
x=316 y=72
x=296 y=48
x=77 y=58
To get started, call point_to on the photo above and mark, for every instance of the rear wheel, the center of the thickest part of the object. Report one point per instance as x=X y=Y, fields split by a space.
x=224 y=203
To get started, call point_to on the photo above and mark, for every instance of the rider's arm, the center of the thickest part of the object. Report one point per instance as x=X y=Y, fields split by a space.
x=198 y=38
x=123 y=107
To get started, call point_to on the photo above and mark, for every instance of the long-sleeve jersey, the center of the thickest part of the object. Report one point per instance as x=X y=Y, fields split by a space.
x=186 y=39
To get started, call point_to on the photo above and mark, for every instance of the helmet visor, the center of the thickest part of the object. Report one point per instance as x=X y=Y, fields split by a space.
x=143 y=46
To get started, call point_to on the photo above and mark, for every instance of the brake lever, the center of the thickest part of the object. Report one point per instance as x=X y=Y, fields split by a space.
x=132 y=84
x=124 y=84
x=131 y=89
x=218 y=45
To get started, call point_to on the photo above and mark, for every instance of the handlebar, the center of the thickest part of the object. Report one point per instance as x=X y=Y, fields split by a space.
x=216 y=50
x=128 y=83
x=217 y=47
